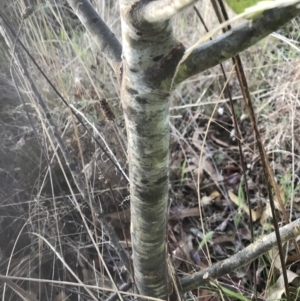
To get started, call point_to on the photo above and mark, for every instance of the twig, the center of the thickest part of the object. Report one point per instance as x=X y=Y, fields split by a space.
x=240 y=259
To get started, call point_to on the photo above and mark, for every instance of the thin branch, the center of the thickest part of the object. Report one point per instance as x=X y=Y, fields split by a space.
x=240 y=259
x=162 y=10
x=104 y=37
x=234 y=41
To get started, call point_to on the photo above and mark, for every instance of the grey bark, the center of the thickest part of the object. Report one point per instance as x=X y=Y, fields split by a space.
x=163 y=10
x=150 y=57
x=242 y=258
x=146 y=110
x=220 y=49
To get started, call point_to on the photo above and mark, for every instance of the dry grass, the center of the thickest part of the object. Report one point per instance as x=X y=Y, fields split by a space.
x=51 y=240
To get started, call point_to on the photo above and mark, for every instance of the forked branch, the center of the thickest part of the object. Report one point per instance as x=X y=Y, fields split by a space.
x=238 y=39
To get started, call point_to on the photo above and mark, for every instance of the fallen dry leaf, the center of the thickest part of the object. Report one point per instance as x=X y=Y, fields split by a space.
x=256 y=214
x=278 y=289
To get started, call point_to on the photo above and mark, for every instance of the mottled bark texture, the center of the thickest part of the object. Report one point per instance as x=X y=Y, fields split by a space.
x=149 y=60
x=213 y=52
x=146 y=48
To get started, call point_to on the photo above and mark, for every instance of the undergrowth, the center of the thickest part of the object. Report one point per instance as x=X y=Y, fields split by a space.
x=47 y=232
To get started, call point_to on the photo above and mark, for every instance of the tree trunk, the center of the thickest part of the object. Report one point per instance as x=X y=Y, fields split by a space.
x=150 y=56
x=146 y=109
